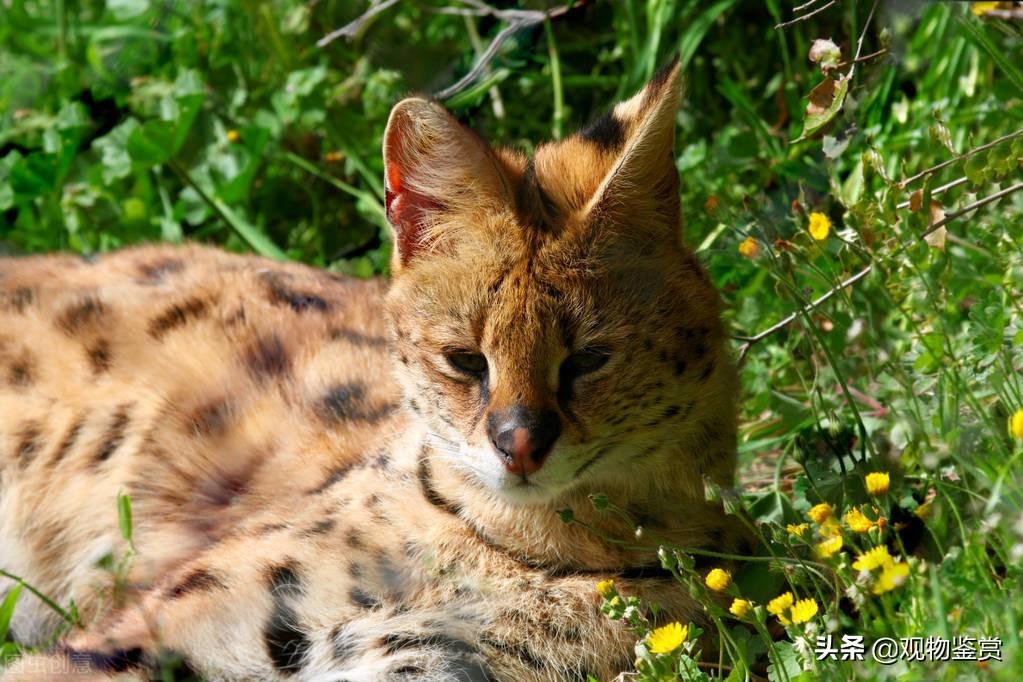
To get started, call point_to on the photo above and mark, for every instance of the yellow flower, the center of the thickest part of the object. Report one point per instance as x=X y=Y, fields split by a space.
x=740 y=608
x=827 y=548
x=804 y=610
x=233 y=136
x=830 y=529
x=877 y=483
x=820 y=226
x=819 y=513
x=749 y=247
x=982 y=8
x=874 y=558
x=666 y=639
x=780 y=605
x=718 y=580
x=797 y=528
x=605 y=588
x=893 y=575
x=1016 y=424
x=923 y=511
x=857 y=522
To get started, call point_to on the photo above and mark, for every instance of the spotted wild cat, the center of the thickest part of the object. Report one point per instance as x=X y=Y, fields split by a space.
x=344 y=480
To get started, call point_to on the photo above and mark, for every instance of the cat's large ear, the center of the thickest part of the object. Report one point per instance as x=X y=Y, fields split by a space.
x=641 y=185
x=434 y=168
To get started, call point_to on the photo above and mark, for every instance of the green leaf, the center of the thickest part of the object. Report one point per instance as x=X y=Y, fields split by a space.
x=34 y=175
x=697 y=29
x=977 y=33
x=116 y=162
x=153 y=143
x=7 y=610
x=124 y=515
x=825 y=101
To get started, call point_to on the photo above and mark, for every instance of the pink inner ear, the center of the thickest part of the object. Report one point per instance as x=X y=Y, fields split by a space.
x=406 y=211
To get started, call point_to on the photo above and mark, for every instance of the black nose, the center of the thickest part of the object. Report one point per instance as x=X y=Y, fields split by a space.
x=523 y=437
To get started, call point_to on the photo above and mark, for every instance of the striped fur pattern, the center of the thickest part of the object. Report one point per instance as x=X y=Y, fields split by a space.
x=314 y=493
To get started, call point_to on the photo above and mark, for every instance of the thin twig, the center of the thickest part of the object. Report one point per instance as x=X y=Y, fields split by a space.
x=805 y=5
x=936 y=191
x=481 y=63
x=964 y=155
x=859 y=42
x=864 y=58
x=750 y=340
x=971 y=207
x=806 y=16
x=352 y=28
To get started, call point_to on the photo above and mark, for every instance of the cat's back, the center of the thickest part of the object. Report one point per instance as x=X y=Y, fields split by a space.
x=191 y=380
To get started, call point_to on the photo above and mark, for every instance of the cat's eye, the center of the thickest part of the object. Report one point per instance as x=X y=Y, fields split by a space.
x=585 y=361
x=467 y=363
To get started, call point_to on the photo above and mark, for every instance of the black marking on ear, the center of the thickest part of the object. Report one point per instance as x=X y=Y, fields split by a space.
x=69 y=441
x=657 y=82
x=99 y=356
x=17 y=300
x=199 y=580
x=268 y=358
x=535 y=207
x=606 y=132
x=363 y=599
x=357 y=338
x=287 y=644
x=298 y=301
x=154 y=272
x=178 y=315
x=114 y=436
x=82 y=314
x=28 y=443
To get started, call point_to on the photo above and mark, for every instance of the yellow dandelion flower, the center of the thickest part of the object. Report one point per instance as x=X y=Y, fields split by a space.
x=979 y=9
x=718 y=580
x=749 y=247
x=797 y=528
x=819 y=513
x=605 y=588
x=830 y=528
x=803 y=610
x=820 y=226
x=666 y=639
x=874 y=558
x=233 y=136
x=1016 y=424
x=780 y=605
x=857 y=521
x=828 y=548
x=893 y=575
x=877 y=483
x=740 y=608
x=923 y=511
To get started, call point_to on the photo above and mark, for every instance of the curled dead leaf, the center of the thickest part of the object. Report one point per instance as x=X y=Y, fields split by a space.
x=936 y=239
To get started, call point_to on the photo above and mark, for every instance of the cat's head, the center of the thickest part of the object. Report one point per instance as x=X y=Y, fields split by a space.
x=548 y=325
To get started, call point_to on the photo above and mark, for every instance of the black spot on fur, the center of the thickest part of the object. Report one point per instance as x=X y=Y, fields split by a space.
x=606 y=132
x=99 y=356
x=353 y=538
x=22 y=371
x=209 y=419
x=519 y=651
x=298 y=301
x=287 y=644
x=107 y=662
x=69 y=441
x=336 y=475
x=363 y=599
x=29 y=442
x=347 y=402
x=680 y=367
x=320 y=528
x=114 y=436
x=357 y=338
x=199 y=580
x=707 y=371
x=178 y=315
x=342 y=644
x=268 y=528
x=268 y=358
x=17 y=300
x=79 y=315
x=156 y=271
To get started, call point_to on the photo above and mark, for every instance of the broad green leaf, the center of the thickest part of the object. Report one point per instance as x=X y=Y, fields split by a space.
x=153 y=143
x=824 y=103
x=34 y=175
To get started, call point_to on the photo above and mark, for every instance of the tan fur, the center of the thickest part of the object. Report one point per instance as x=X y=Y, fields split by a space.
x=315 y=496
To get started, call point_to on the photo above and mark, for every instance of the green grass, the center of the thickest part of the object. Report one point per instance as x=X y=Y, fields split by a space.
x=226 y=123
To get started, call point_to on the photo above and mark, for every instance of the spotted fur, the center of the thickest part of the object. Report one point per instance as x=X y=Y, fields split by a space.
x=315 y=495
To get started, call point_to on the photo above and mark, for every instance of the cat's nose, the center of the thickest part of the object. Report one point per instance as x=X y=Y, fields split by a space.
x=523 y=437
